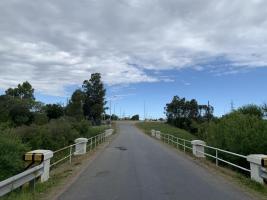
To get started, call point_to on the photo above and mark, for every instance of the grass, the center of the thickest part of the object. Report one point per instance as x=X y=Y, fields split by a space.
x=253 y=185
x=95 y=130
x=165 y=128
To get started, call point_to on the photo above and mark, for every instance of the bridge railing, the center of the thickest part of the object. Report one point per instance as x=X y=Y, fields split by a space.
x=257 y=162
x=18 y=180
x=66 y=153
x=217 y=158
x=80 y=147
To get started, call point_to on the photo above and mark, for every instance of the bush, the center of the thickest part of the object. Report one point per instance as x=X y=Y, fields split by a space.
x=240 y=133
x=40 y=119
x=20 y=114
x=54 y=135
x=83 y=128
x=11 y=151
x=252 y=109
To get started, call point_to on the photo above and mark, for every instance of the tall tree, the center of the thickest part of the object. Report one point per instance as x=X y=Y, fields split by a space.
x=23 y=91
x=94 y=98
x=75 y=106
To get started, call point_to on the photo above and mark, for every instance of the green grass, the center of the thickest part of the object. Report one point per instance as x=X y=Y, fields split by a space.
x=95 y=130
x=253 y=185
x=165 y=128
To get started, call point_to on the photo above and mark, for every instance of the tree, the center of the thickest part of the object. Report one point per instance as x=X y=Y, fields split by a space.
x=94 y=103
x=75 y=106
x=54 y=111
x=20 y=114
x=23 y=91
x=114 y=117
x=187 y=114
x=135 y=117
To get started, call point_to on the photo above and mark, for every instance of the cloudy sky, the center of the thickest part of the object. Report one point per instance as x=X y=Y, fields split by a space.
x=141 y=47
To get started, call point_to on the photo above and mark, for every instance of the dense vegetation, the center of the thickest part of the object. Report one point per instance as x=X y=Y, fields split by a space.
x=242 y=131
x=26 y=124
x=186 y=114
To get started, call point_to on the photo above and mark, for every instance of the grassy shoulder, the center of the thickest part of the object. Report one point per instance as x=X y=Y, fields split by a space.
x=165 y=128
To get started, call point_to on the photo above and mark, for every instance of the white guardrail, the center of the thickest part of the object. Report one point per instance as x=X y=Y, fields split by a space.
x=30 y=176
x=199 y=148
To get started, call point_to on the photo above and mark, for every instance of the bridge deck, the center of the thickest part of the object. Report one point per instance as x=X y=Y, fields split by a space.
x=136 y=167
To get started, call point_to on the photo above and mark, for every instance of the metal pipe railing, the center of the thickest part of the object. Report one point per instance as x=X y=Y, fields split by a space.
x=176 y=141
x=92 y=141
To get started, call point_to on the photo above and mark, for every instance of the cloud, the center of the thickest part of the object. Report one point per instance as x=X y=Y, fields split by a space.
x=57 y=43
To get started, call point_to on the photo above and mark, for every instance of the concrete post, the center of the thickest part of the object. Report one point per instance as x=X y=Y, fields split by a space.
x=80 y=146
x=153 y=133
x=157 y=133
x=108 y=132
x=46 y=162
x=255 y=167
x=198 y=148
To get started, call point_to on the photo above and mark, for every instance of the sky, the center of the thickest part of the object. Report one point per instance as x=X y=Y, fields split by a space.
x=146 y=50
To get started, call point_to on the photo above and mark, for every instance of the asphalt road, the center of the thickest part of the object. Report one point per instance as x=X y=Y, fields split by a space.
x=137 y=167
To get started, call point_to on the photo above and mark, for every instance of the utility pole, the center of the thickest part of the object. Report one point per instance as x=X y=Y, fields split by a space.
x=232 y=105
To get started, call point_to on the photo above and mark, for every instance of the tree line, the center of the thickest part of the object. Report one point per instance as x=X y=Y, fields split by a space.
x=185 y=113
x=19 y=107
x=242 y=130
x=27 y=124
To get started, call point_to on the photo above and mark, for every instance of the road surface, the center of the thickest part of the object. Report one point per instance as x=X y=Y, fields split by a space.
x=137 y=167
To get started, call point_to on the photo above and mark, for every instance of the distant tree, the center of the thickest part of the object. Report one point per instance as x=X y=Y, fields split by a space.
x=75 y=106
x=94 y=103
x=54 y=111
x=23 y=91
x=187 y=114
x=135 y=117
x=114 y=117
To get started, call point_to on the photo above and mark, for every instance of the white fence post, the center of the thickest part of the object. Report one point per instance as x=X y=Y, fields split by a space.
x=153 y=133
x=256 y=166
x=47 y=155
x=80 y=146
x=198 y=148
x=157 y=134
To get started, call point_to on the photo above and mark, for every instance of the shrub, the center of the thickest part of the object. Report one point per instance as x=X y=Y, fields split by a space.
x=54 y=135
x=11 y=151
x=240 y=133
x=40 y=119
x=83 y=128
